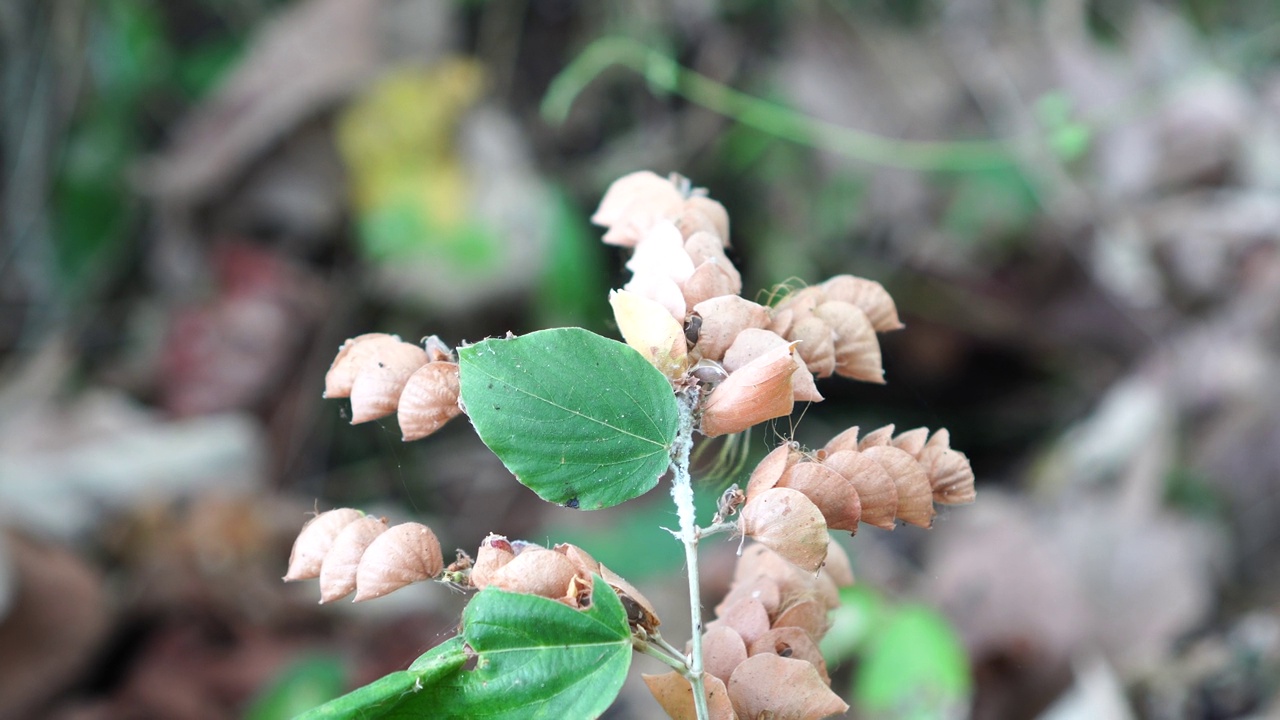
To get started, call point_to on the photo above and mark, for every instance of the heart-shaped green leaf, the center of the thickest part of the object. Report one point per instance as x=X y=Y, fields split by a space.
x=581 y=420
x=534 y=658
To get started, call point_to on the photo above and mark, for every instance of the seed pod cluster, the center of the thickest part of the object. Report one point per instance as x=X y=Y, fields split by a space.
x=878 y=480
x=683 y=310
x=563 y=573
x=382 y=375
x=761 y=652
x=350 y=551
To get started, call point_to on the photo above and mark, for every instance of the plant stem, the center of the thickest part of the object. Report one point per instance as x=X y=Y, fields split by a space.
x=665 y=74
x=682 y=493
x=652 y=651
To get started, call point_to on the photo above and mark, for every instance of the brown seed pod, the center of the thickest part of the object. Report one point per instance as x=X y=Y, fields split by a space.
x=495 y=551
x=834 y=494
x=760 y=588
x=315 y=540
x=751 y=343
x=537 y=572
x=404 y=554
x=869 y=296
x=338 y=571
x=352 y=354
x=675 y=694
x=633 y=204
x=949 y=472
x=847 y=440
x=857 y=350
x=723 y=318
x=704 y=212
x=791 y=642
x=915 y=495
x=802 y=302
x=837 y=566
x=809 y=615
x=912 y=441
x=816 y=345
x=760 y=390
x=704 y=248
x=640 y=611
x=771 y=468
x=380 y=378
x=429 y=400
x=758 y=561
x=877 y=491
x=723 y=649
x=788 y=523
x=877 y=438
x=771 y=686
x=747 y=617
x=709 y=280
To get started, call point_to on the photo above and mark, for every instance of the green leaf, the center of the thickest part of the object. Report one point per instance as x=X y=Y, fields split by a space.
x=852 y=624
x=534 y=658
x=581 y=420
x=915 y=667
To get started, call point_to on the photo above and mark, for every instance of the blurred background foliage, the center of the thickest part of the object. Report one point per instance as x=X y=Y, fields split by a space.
x=1076 y=205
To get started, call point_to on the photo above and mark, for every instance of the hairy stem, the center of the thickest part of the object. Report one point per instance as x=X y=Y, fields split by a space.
x=682 y=493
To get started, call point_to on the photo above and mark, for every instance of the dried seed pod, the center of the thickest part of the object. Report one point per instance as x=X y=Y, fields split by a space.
x=380 y=378
x=950 y=475
x=747 y=617
x=837 y=566
x=429 y=400
x=710 y=210
x=585 y=565
x=802 y=302
x=650 y=329
x=856 y=348
x=791 y=642
x=708 y=372
x=788 y=523
x=706 y=248
x=404 y=554
x=869 y=296
x=876 y=489
x=794 y=584
x=662 y=252
x=495 y=552
x=536 y=572
x=771 y=468
x=342 y=373
x=810 y=615
x=640 y=611
x=760 y=588
x=831 y=492
x=771 y=686
x=912 y=441
x=723 y=318
x=752 y=343
x=660 y=289
x=338 y=571
x=816 y=345
x=633 y=204
x=723 y=649
x=781 y=321
x=315 y=540
x=847 y=440
x=708 y=281
x=760 y=390
x=675 y=694
x=915 y=495
x=877 y=438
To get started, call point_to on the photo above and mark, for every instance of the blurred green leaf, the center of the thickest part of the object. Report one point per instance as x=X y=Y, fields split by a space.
x=572 y=288
x=303 y=685
x=914 y=667
x=860 y=612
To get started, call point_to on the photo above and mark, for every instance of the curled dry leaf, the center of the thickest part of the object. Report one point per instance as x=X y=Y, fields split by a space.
x=771 y=686
x=791 y=642
x=429 y=400
x=404 y=554
x=915 y=495
x=760 y=390
x=788 y=523
x=830 y=491
x=723 y=649
x=338 y=571
x=722 y=319
x=537 y=572
x=877 y=492
x=314 y=541
x=674 y=693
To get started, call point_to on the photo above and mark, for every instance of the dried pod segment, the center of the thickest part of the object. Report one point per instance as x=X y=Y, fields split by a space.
x=636 y=202
x=384 y=375
x=404 y=554
x=538 y=572
x=640 y=612
x=747 y=617
x=915 y=496
x=771 y=469
x=674 y=693
x=495 y=552
x=338 y=571
x=315 y=540
x=752 y=343
x=868 y=296
x=948 y=471
x=791 y=642
x=760 y=390
x=723 y=649
x=771 y=686
x=877 y=493
x=788 y=523
x=722 y=319
x=831 y=492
